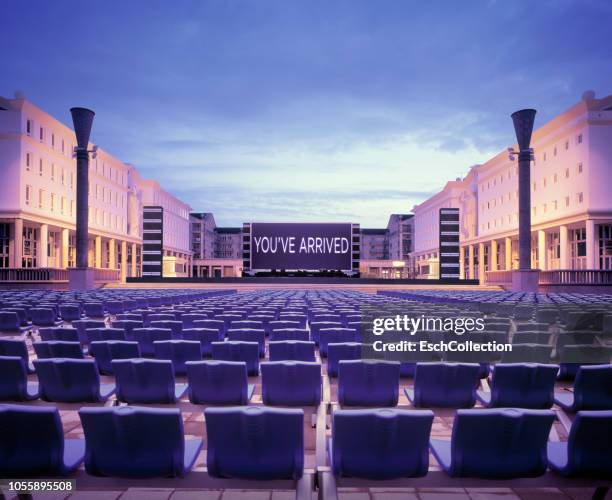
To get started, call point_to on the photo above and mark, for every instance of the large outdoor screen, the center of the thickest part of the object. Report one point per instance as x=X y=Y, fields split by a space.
x=301 y=246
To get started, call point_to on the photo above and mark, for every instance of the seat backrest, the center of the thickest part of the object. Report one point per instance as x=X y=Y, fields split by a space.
x=589 y=444
x=238 y=351
x=523 y=385
x=217 y=382
x=133 y=442
x=128 y=325
x=255 y=442
x=391 y=443
x=212 y=324
x=246 y=323
x=283 y=324
x=291 y=350
x=175 y=326
x=528 y=353
x=367 y=382
x=43 y=316
x=55 y=333
x=58 y=349
x=335 y=336
x=14 y=347
x=68 y=380
x=144 y=380
x=249 y=335
x=446 y=385
x=103 y=334
x=9 y=321
x=291 y=383
x=515 y=444
x=32 y=440
x=105 y=351
x=341 y=351
x=593 y=387
x=289 y=334
x=13 y=379
x=205 y=336
x=179 y=352
x=146 y=336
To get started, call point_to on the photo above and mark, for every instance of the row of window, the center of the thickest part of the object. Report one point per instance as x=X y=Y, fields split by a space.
x=566 y=147
x=54 y=173
x=61 y=144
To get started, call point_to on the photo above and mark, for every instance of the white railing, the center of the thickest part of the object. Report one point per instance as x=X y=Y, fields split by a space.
x=40 y=275
x=499 y=277
x=576 y=277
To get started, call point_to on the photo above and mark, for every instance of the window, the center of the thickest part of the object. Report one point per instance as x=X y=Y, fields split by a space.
x=580 y=197
x=554 y=205
x=53 y=171
x=52 y=140
x=5 y=240
x=555 y=151
x=41 y=134
x=580 y=168
x=28 y=160
x=28 y=194
x=63 y=205
x=579 y=139
x=40 y=167
x=29 y=127
x=566 y=145
x=534 y=211
x=63 y=146
x=567 y=173
x=544 y=208
x=555 y=178
x=41 y=198
x=544 y=156
x=534 y=186
x=567 y=200
x=71 y=179
x=53 y=202
x=544 y=182
x=30 y=247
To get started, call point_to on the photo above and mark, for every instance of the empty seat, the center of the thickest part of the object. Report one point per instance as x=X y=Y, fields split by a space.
x=179 y=352
x=10 y=322
x=128 y=326
x=531 y=338
x=58 y=333
x=33 y=443
x=104 y=334
x=255 y=443
x=58 y=349
x=289 y=334
x=496 y=443
x=291 y=383
x=291 y=350
x=71 y=381
x=317 y=326
x=249 y=335
x=146 y=336
x=342 y=352
x=70 y=312
x=14 y=385
x=592 y=390
x=146 y=381
x=94 y=309
x=105 y=351
x=43 y=316
x=528 y=353
x=218 y=383
x=137 y=442
x=211 y=324
x=368 y=383
x=380 y=443
x=114 y=306
x=205 y=336
x=571 y=357
x=159 y=317
x=247 y=352
x=82 y=325
x=444 y=385
x=587 y=450
x=286 y=325
x=334 y=336
x=189 y=318
x=521 y=385
x=175 y=326
x=16 y=347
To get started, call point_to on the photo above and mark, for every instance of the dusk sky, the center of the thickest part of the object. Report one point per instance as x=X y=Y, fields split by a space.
x=305 y=110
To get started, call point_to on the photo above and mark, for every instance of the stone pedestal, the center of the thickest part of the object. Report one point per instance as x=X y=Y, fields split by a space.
x=525 y=280
x=81 y=279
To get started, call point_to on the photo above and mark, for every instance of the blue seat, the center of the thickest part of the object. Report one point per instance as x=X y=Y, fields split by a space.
x=159 y=317
x=444 y=385
x=70 y=312
x=248 y=324
x=218 y=383
x=104 y=334
x=146 y=336
x=71 y=381
x=128 y=326
x=146 y=381
x=247 y=352
x=16 y=347
x=291 y=383
x=104 y=351
x=528 y=353
x=23 y=317
x=317 y=326
x=82 y=325
x=341 y=352
x=587 y=450
x=179 y=352
x=175 y=326
x=496 y=443
x=521 y=385
x=94 y=309
x=114 y=306
x=574 y=356
x=281 y=334
x=592 y=390
x=255 y=443
x=58 y=349
x=189 y=318
x=249 y=335
x=205 y=336
x=286 y=325
x=368 y=383
x=212 y=324
x=137 y=442
x=33 y=443
x=384 y=443
x=335 y=336
x=43 y=316
x=59 y=333
x=14 y=385
x=291 y=350
x=10 y=322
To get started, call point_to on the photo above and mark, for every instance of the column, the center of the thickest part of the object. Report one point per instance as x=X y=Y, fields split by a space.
x=98 y=252
x=123 y=261
x=112 y=254
x=481 y=263
x=508 y=253
x=461 y=263
x=18 y=243
x=65 y=248
x=471 y=262
x=133 y=263
x=43 y=257
x=542 y=250
x=592 y=245
x=563 y=248
x=493 y=263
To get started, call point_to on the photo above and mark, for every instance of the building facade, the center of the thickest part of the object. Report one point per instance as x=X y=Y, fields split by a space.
x=38 y=200
x=217 y=251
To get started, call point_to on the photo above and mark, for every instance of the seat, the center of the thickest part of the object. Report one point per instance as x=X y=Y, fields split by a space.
x=43 y=316
x=281 y=334
x=368 y=383
x=146 y=336
x=146 y=381
x=104 y=334
x=592 y=390
x=33 y=443
x=573 y=356
x=218 y=383
x=70 y=312
x=249 y=335
x=587 y=450
x=528 y=353
x=114 y=306
x=211 y=324
x=58 y=349
x=521 y=385
x=16 y=347
x=291 y=350
x=514 y=443
x=531 y=338
x=10 y=322
x=205 y=336
x=385 y=443
x=290 y=383
x=94 y=309
x=175 y=326
x=342 y=352
x=71 y=381
x=255 y=442
x=247 y=352
x=14 y=385
x=335 y=336
x=82 y=325
x=59 y=333
x=179 y=352
x=444 y=385
x=286 y=325
x=317 y=326
x=128 y=326
x=189 y=318
x=106 y=350
x=137 y=442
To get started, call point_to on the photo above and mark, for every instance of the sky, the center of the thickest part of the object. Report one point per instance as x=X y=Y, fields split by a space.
x=314 y=110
